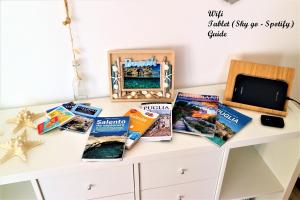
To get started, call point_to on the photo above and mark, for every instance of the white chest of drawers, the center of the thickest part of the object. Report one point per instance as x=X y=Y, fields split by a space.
x=188 y=167
x=90 y=184
x=184 y=177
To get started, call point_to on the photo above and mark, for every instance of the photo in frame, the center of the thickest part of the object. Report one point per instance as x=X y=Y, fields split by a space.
x=141 y=75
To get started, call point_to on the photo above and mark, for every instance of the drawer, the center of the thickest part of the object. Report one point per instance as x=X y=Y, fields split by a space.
x=129 y=196
x=187 y=191
x=178 y=170
x=89 y=184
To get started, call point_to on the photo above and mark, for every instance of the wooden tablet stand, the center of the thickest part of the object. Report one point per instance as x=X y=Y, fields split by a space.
x=259 y=70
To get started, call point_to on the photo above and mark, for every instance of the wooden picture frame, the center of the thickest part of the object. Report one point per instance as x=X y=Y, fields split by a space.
x=141 y=75
x=258 y=70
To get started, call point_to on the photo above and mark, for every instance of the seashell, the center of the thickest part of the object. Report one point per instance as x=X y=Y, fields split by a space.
x=148 y=96
x=165 y=85
x=168 y=95
x=116 y=86
x=114 y=68
x=133 y=94
x=76 y=50
x=144 y=92
x=115 y=96
x=76 y=63
x=129 y=97
x=166 y=67
x=159 y=94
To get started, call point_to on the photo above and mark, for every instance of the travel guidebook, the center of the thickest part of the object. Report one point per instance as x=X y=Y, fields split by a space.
x=229 y=123
x=107 y=139
x=161 y=130
x=140 y=121
x=195 y=114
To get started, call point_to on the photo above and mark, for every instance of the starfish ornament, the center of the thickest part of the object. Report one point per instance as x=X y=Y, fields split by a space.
x=25 y=118
x=18 y=146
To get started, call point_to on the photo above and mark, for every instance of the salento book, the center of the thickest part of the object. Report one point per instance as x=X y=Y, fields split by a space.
x=228 y=124
x=195 y=114
x=107 y=139
x=161 y=130
x=140 y=121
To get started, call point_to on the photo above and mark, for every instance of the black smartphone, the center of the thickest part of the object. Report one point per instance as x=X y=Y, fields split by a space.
x=262 y=92
x=268 y=120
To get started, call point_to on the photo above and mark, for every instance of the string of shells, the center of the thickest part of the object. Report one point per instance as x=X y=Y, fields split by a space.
x=141 y=94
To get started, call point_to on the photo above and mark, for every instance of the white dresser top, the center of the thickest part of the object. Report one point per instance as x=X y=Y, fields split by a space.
x=62 y=150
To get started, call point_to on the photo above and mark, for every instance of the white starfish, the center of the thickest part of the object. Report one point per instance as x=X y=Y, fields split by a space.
x=18 y=146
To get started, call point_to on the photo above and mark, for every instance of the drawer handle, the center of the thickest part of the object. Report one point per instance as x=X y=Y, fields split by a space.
x=89 y=187
x=180 y=197
x=181 y=170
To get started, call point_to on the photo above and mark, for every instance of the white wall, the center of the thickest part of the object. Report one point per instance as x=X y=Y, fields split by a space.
x=35 y=50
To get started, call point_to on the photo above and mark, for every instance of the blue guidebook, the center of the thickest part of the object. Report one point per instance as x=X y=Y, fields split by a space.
x=107 y=139
x=229 y=122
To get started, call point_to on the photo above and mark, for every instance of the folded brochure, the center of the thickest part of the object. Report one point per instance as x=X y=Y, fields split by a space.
x=56 y=118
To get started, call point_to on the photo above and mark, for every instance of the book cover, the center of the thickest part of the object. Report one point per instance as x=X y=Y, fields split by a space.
x=107 y=139
x=78 y=124
x=195 y=114
x=63 y=114
x=228 y=124
x=140 y=121
x=161 y=130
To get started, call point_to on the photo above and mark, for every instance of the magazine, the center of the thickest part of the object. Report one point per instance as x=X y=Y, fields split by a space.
x=161 y=130
x=140 y=121
x=195 y=114
x=228 y=124
x=107 y=139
